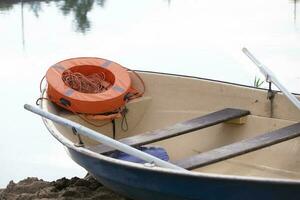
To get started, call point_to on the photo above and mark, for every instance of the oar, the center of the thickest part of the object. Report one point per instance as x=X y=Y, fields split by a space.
x=102 y=138
x=270 y=77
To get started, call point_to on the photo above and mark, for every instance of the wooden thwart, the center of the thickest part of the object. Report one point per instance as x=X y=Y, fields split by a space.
x=177 y=129
x=241 y=147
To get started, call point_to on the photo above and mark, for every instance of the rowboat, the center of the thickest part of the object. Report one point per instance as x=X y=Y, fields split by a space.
x=229 y=141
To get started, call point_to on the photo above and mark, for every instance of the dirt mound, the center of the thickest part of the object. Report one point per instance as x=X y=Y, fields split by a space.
x=62 y=189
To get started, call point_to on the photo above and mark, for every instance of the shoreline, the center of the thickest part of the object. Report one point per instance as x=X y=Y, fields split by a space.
x=75 y=188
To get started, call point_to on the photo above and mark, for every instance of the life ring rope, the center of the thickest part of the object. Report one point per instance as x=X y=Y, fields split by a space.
x=138 y=93
x=91 y=84
x=88 y=118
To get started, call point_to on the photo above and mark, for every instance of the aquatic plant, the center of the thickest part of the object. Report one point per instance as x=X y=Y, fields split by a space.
x=257 y=82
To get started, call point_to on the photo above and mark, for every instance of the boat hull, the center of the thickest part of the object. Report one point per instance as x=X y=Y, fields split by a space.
x=147 y=184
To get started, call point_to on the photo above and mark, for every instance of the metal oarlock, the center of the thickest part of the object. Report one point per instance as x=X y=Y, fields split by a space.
x=270 y=77
x=80 y=143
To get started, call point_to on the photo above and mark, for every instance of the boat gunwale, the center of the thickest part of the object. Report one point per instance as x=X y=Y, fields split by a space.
x=213 y=80
x=67 y=143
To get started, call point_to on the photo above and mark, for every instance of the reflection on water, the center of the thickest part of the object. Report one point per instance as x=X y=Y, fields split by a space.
x=295 y=2
x=190 y=37
x=295 y=11
x=35 y=5
x=79 y=8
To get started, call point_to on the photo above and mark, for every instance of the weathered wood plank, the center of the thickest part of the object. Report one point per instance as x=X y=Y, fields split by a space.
x=177 y=129
x=240 y=148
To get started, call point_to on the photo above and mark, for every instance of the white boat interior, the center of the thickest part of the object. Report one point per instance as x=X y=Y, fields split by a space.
x=170 y=99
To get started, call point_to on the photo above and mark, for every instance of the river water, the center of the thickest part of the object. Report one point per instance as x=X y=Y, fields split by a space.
x=192 y=37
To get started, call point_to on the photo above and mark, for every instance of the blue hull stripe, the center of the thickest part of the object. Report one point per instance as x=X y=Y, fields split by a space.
x=144 y=184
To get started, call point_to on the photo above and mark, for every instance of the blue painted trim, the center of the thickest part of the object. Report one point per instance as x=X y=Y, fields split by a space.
x=59 y=67
x=118 y=88
x=106 y=63
x=69 y=92
x=146 y=184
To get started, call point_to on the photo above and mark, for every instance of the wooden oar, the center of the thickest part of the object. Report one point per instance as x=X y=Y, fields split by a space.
x=102 y=138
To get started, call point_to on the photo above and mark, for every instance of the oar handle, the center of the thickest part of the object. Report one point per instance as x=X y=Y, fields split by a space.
x=102 y=138
x=270 y=77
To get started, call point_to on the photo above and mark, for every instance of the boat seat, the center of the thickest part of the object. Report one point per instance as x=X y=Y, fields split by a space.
x=177 y=129
x=240 y=148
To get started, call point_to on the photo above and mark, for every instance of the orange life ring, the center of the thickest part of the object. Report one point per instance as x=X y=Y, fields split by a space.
x=89 y=103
